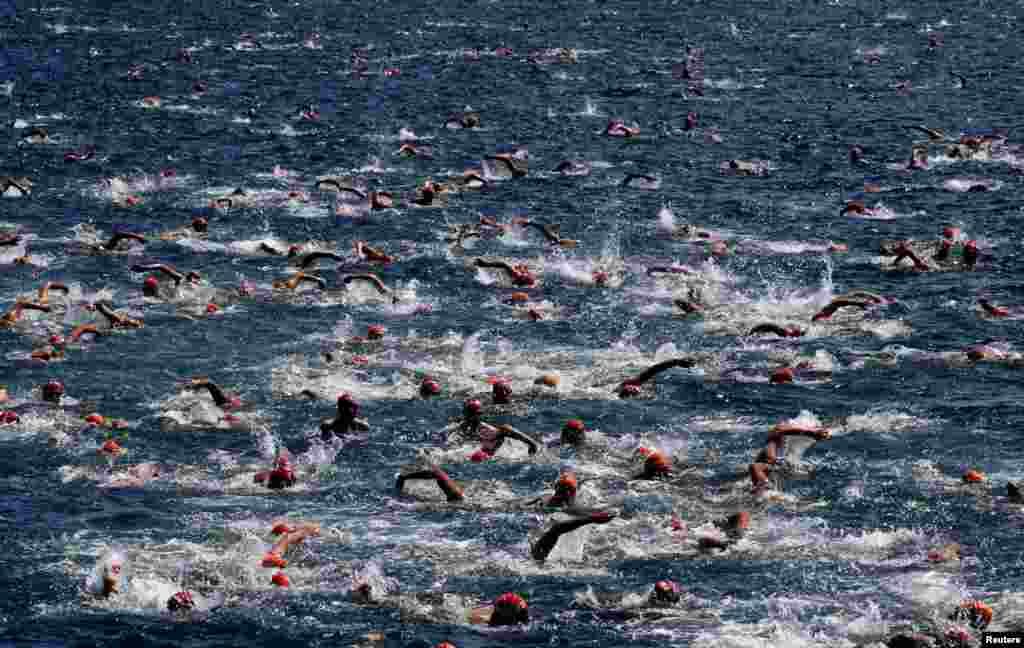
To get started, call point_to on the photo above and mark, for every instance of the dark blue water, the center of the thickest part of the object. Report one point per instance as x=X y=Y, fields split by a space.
x=785 y=82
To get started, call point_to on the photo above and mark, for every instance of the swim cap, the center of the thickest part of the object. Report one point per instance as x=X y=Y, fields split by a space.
x=782 y=376
x=628 y=390
x=972 y=244
x=280 y=579
x=282 y=461
x=950 y=232
x=53 y=390
x=211 y=308
x=501 y=392
x=666 y=591
x=445 y=644
x=7 y=417
x=346 y=401
x=429 y=387
x=181 y=601
x=274 y=560
x=480 y=455
x=56 y=340
x=974 y=476
x=472 y=408
x=151 y=283
x=199 y=224
x=575 y=425
x=510 y=600
x=281 y=528
x=111 y=447
x=644 y=451
x=518 y=297
x=293 y=250
x=375 y=332
x=95 y=419
x=600 y=277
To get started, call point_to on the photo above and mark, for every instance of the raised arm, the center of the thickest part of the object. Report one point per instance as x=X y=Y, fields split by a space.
x=654 y=370
x=373 y=279
x=444 y=482
x=509 y=432
x=313 y=257
x=541 y=549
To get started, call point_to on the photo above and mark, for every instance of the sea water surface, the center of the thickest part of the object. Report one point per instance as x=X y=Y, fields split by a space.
x=793 y=83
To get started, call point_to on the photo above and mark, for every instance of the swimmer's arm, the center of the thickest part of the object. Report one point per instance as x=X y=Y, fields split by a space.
x=159 y=267
x=654 y=370
x=311 y=258
x=498 y=265
x=79 y=331
x=543 y=547
x=295 y=537
x=10 y=241
x=509 y=432
x=121 y=236
x=381 y=288
x=444 y=482
x=784 y=430
x=44 y=290
x=768 y=328
x=219 y=398
x=269 y=249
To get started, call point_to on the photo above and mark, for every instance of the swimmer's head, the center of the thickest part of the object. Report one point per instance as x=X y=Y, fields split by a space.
x=518 y=298
x=199 y=224
x=280 y=579
x=294 y=250
x=375 y=332
x=281 y=528
x=150 y=287
x=112 y=575
x=573 y=432
x=8 y=417
x=629 y=390
x=429 y=387
x=472 y=408
x=565 y=487
x=666 y=592
x=510 y=609
x=973 y=477
x=977 y=614
x=480 y=456
x=180 y=602
x=501 y=392
x=56 y=340
x=52 y=391
x=782 y=376
x=347 y=406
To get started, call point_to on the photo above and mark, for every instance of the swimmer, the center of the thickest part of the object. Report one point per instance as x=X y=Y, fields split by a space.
x=431 y=194
x=542 y=548
x=573 y=168
x=373 y=255
x=992 y=309
x=787 y=332
x=618 y=128
x=298 y=278
x=493 y=437
x=414 y=150
x=220 y=399
x=520 y=274
x=550 y=232
x=44 y=291
x=451 y=490
x=470 y=179
x=734 y=527
x=345 y=421
x=903 y=251
x=775 y=446
x=513 y=162
x=198 y=228
x=289 y=536
x=688 y=306
x=15 y=186
x=574 y=433
x=53 y=392
x=115 y=319
x=37 y=135
x=830 y=309
x=463 y=120
x=14 y=315
x=631 y=387
x=281 y=477
x=565 y=490
x=53 y=352
x=150 y=287
x=656 y=465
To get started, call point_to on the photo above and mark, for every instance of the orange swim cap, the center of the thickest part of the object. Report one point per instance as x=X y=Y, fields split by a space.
x=974 y=476
x=280 y=579
x=548 y=380
x=518 y=298
x=111 y=447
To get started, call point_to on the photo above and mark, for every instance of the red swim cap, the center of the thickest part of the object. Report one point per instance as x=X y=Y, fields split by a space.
x=180 y=601
x=480 y=455
x=430 y=387
x=281 y=528
x=273 y=560
x=151 y=283
x=974 y=476
x=501 y=392
x=510 y=600
x=7 y=417
x=53 y=388
x=375 y=332
x=628 y=390
x=111 y=447
x=211 y=308
x=782 y=376
x=56 y=340
x=472 y=407
x=971 y=244
x=445 y=644
x=95 y=419
x=575 y=425
x=280 y=579
x=644 y=451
